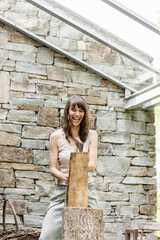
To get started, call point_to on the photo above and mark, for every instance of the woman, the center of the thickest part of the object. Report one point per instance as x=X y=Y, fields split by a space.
x=75 y=125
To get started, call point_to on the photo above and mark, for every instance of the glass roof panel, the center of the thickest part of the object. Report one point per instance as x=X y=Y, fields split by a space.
x=119 y=24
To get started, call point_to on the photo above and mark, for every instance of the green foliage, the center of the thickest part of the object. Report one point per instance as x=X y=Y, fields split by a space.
x=157 y=124
x=157 y=115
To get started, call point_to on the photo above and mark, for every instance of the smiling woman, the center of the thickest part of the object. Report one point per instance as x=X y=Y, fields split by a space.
x=76 y=115
x=75 y=109
x=75 y=127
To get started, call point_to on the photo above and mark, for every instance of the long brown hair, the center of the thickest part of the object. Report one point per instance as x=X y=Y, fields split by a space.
x=66 y=121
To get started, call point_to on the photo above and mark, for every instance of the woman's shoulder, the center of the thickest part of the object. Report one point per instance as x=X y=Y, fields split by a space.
x=55 y=134
x=92 y=133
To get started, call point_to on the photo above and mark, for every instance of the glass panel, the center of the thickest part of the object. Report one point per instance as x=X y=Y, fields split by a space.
x=120 y=25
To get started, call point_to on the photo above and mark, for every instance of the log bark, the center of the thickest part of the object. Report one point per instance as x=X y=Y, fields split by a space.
x=82 y=224
x=77 y=193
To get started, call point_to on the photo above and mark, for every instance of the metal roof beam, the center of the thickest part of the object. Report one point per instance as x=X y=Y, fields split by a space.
x=143 y=96
x=66 y=54
x=91 y=30
x=151 y=104
x=138 y=18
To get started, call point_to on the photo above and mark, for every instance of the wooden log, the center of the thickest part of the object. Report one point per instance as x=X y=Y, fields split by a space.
x=77 y=193
x=78 y=221
x=82 y=224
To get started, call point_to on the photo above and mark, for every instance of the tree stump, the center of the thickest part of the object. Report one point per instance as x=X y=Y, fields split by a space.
x=82 y=224
x=77 y=193
x=78 y=221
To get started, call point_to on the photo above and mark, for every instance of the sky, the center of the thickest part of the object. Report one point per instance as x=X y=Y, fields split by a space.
x=120 y=25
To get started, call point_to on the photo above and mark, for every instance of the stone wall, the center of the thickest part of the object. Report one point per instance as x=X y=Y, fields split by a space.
x=35 y=83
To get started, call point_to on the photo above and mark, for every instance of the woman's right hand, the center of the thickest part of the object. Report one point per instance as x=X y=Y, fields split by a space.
x=59 y=175
x=64 y=177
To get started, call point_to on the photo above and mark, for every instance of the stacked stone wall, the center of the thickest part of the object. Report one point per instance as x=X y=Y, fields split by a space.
x=35 y=83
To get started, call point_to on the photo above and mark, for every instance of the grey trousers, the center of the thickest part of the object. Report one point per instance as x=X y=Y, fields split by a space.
x=52 y=224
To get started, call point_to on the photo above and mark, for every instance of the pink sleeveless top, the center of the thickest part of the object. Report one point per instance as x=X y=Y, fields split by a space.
x=64 y=152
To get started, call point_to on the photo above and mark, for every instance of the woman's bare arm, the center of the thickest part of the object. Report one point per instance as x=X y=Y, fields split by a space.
x=53 y=157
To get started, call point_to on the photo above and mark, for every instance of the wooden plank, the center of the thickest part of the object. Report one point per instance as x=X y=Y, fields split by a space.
x=82 y=224
x=77 y=194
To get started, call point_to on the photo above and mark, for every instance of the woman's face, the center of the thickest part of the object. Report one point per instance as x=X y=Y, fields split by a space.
x=76 y=115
